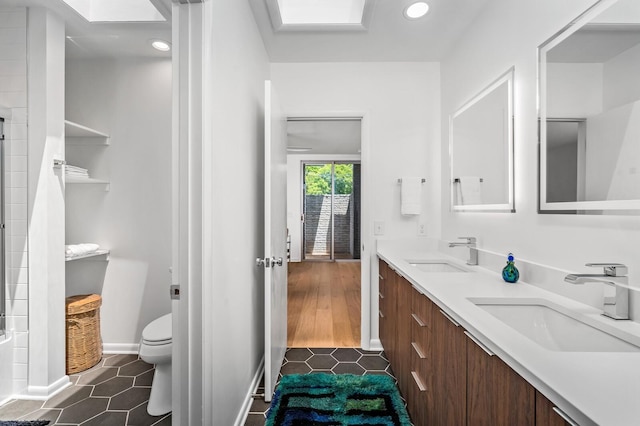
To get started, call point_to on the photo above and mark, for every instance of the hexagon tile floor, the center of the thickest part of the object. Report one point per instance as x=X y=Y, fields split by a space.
x=325 y=360
x=113 y=393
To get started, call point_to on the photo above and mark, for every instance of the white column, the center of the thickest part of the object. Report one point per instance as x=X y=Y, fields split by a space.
x=46 y=56
x=187 y=357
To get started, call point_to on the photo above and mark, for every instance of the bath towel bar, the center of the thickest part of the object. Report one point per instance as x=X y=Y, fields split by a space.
x=457 y=180
x=423 y=180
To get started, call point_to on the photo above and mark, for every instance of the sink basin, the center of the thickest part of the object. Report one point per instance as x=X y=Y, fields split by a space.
x=435 y=266
x=544 y=323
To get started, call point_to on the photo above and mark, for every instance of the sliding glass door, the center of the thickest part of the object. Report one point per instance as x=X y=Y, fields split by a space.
x=331 y=211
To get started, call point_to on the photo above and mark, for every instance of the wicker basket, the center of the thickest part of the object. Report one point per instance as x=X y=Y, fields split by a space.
x=84 y=344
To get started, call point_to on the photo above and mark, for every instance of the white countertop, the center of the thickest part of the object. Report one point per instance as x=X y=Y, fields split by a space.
x=594 y=388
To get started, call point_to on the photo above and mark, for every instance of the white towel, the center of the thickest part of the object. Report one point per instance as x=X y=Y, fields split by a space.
x=411 y=196
x=470 y=190
x=75 y=171
x=80 y=249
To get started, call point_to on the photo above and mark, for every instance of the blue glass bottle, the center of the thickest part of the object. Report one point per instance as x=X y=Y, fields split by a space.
x=510 y=273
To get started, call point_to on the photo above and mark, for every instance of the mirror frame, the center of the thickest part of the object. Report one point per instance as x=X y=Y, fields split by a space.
x=509 y=206
x=568 y=207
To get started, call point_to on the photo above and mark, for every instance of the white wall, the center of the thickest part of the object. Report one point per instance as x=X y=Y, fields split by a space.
x=566 y=87
x=507 y=34
x=236 y=66
x=129 y=99
x=13 y=97
x=401 y=102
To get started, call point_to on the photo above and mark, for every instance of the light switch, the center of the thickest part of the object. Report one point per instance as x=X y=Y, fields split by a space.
x=378 y=228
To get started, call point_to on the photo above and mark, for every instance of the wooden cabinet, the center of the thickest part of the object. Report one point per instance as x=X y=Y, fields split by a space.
x=420 y=398
x=496 y=395
x=450 y=371
x=387 y=309
x=545 y=413
x=445 y=375
x=403 y=330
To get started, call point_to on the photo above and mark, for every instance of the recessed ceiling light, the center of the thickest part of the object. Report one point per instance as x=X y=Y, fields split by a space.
x=416 y=10
x=161 y=45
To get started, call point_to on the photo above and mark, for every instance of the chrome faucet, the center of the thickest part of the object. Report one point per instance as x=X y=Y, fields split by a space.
x=473 y=251
x=615 y=274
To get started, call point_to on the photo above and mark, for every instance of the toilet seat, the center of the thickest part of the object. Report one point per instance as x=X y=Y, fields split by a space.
x=158 y=331
x=156 y=343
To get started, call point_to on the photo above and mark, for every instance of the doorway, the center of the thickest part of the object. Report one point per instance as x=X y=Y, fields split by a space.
x=331 y=211
x=324 y=282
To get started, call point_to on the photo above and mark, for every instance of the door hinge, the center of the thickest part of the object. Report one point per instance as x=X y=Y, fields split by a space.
x=174 y=291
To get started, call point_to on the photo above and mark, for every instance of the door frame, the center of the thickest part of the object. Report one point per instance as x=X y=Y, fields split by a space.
x=367 y=320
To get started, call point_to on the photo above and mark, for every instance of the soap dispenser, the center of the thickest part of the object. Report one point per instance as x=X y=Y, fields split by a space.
x=510 y=273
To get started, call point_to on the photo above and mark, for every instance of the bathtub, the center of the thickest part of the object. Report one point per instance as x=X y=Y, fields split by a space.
x=6 y=367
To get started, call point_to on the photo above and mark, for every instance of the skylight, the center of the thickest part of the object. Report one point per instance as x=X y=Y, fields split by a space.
x=116 y=10
x=321 y=12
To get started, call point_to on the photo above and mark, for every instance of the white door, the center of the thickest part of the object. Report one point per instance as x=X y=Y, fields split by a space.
x=275 y=240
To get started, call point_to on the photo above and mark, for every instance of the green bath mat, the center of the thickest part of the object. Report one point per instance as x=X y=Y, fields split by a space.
x=343 y=399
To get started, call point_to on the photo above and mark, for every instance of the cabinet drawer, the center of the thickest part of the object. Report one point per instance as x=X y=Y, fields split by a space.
x=421 y=365
x=421 y=308
x=420 y=334
x=417 y=400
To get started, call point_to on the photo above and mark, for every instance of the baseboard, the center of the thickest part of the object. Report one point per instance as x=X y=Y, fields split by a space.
x=121 y=348
x=375 y=345
x=248 y=400
x=42 y=393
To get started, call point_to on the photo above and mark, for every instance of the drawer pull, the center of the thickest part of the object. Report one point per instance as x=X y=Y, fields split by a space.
x=381 y=314
x=446 y=315
x=416 y=348
x=565 y=416
x=418 y=320
x=419 y=383
x=477 y=342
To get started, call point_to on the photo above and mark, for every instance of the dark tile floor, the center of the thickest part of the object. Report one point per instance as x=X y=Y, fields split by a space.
x=113 y=393
x=325 y=360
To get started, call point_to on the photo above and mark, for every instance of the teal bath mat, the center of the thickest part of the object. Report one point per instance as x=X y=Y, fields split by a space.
x=337 y=400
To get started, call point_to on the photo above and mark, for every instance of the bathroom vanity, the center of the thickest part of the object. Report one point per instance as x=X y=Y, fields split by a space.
x=468 y=348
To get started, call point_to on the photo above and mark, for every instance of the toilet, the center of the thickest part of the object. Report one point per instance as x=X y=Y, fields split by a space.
x=155 y=348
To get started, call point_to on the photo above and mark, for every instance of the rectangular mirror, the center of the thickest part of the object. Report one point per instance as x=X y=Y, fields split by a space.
x=589 y=92
x=481 y=150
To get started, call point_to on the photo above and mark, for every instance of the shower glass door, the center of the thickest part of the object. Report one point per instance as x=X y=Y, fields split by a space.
x=331 y=211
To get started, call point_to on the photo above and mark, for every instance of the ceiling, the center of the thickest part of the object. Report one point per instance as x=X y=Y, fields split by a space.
x=389 y=35
x=324 y=136
x=126 y=39
x=595 y=43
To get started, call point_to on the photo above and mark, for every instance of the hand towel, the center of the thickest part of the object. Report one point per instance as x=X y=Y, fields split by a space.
x=411 y=196
x=470 y=190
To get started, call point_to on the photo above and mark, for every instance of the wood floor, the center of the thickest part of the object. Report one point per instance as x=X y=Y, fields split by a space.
x=324 y=305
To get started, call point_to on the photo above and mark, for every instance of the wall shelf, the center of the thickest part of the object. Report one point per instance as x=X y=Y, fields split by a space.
x=73 y=180
x=95 y=254
x=77 y=134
